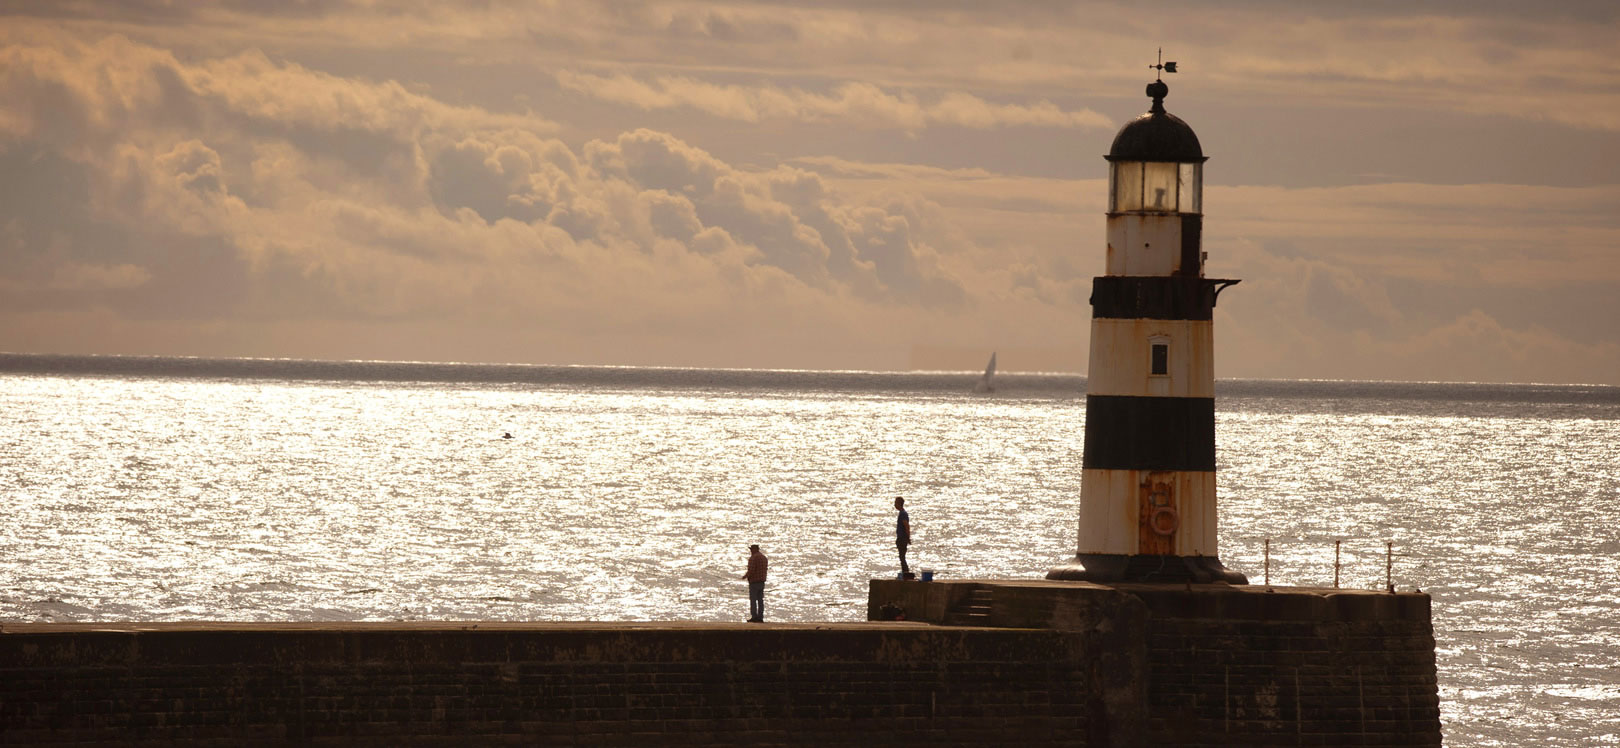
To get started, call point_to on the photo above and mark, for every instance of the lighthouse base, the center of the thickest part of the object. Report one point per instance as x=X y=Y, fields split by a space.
x=1109 y=567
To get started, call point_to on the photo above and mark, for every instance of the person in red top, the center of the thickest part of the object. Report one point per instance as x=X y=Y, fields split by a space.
x=756 y=584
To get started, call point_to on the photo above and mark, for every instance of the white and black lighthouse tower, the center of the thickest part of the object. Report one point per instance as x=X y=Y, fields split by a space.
x=1147 y=493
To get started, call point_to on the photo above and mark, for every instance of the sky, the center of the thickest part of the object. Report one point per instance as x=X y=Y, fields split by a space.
x=1408 y=191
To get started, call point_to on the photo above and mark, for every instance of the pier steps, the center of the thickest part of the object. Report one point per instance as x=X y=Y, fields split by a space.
x=972 y=610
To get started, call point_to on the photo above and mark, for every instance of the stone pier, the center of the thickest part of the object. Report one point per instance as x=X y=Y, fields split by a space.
x=550 y=684
x=975 y=662
x=1217 y=664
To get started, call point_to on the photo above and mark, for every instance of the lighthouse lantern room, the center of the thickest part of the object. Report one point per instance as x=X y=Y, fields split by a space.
x=1147 y=493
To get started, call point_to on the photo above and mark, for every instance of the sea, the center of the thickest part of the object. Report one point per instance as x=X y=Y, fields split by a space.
x=179 y=489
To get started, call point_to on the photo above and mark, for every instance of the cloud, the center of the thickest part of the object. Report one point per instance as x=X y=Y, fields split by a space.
x=1346 y=301
x=839 y=167
x=1475 y=345
x=1306 y=313
x=859 y=104
x=1546 y=64
x=69 y=90
x=506 y=174
x=786 y=218
x=1471 y=346
x=424 y=183
x=1509 y=235
x=76 y=277
x=238 y=175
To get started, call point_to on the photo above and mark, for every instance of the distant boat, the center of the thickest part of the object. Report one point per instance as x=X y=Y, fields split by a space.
x=984 y=384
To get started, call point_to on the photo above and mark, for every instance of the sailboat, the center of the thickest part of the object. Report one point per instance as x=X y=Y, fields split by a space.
x=984 y=384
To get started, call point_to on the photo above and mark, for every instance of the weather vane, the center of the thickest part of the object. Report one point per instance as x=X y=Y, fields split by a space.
x=1163 y=67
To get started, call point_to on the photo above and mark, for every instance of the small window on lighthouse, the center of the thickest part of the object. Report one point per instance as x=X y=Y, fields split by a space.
x=1160 y=362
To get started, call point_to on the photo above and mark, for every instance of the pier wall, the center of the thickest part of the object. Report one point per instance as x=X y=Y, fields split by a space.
x=556 y=684
x=977 y=663
x=1227 y=665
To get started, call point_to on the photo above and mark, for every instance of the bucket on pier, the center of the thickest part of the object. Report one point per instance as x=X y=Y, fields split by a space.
x=928 y=575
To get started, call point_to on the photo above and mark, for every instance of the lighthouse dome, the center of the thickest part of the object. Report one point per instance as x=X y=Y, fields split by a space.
x=1157 y=135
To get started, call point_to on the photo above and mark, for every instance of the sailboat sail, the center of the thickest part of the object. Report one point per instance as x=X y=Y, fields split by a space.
x=984 y=384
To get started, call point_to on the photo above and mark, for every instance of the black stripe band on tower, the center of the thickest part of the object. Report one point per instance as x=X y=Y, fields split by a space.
x=1149 y=433
x=1155 y=297
x=1192 y=257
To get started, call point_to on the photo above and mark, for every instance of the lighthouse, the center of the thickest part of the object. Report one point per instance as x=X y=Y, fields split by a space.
x=1147 y=491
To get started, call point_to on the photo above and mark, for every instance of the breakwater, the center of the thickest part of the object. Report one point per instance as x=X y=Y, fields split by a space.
x=555 y=684
x=1219 y=665
x=975 y=663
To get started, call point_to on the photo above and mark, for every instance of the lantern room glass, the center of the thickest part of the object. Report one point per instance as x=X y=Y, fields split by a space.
x=1159 y=187
x=1190 y=185
x=1155 y=187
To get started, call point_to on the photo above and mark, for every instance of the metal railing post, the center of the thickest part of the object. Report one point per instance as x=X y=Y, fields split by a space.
x=1268 y=562
x=1389 y=565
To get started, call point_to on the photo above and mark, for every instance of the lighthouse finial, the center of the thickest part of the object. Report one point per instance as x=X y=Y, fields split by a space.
x=1157 y=90
x=1163 y=67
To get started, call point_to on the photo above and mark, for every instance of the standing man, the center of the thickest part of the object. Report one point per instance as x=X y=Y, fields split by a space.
x=756 y=584
x=902 y=534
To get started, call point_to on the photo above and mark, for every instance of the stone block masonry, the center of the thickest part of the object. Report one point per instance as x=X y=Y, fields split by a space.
x=980 y=662
x=1221 y=665
x=551 y=684
x=1290 y=667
